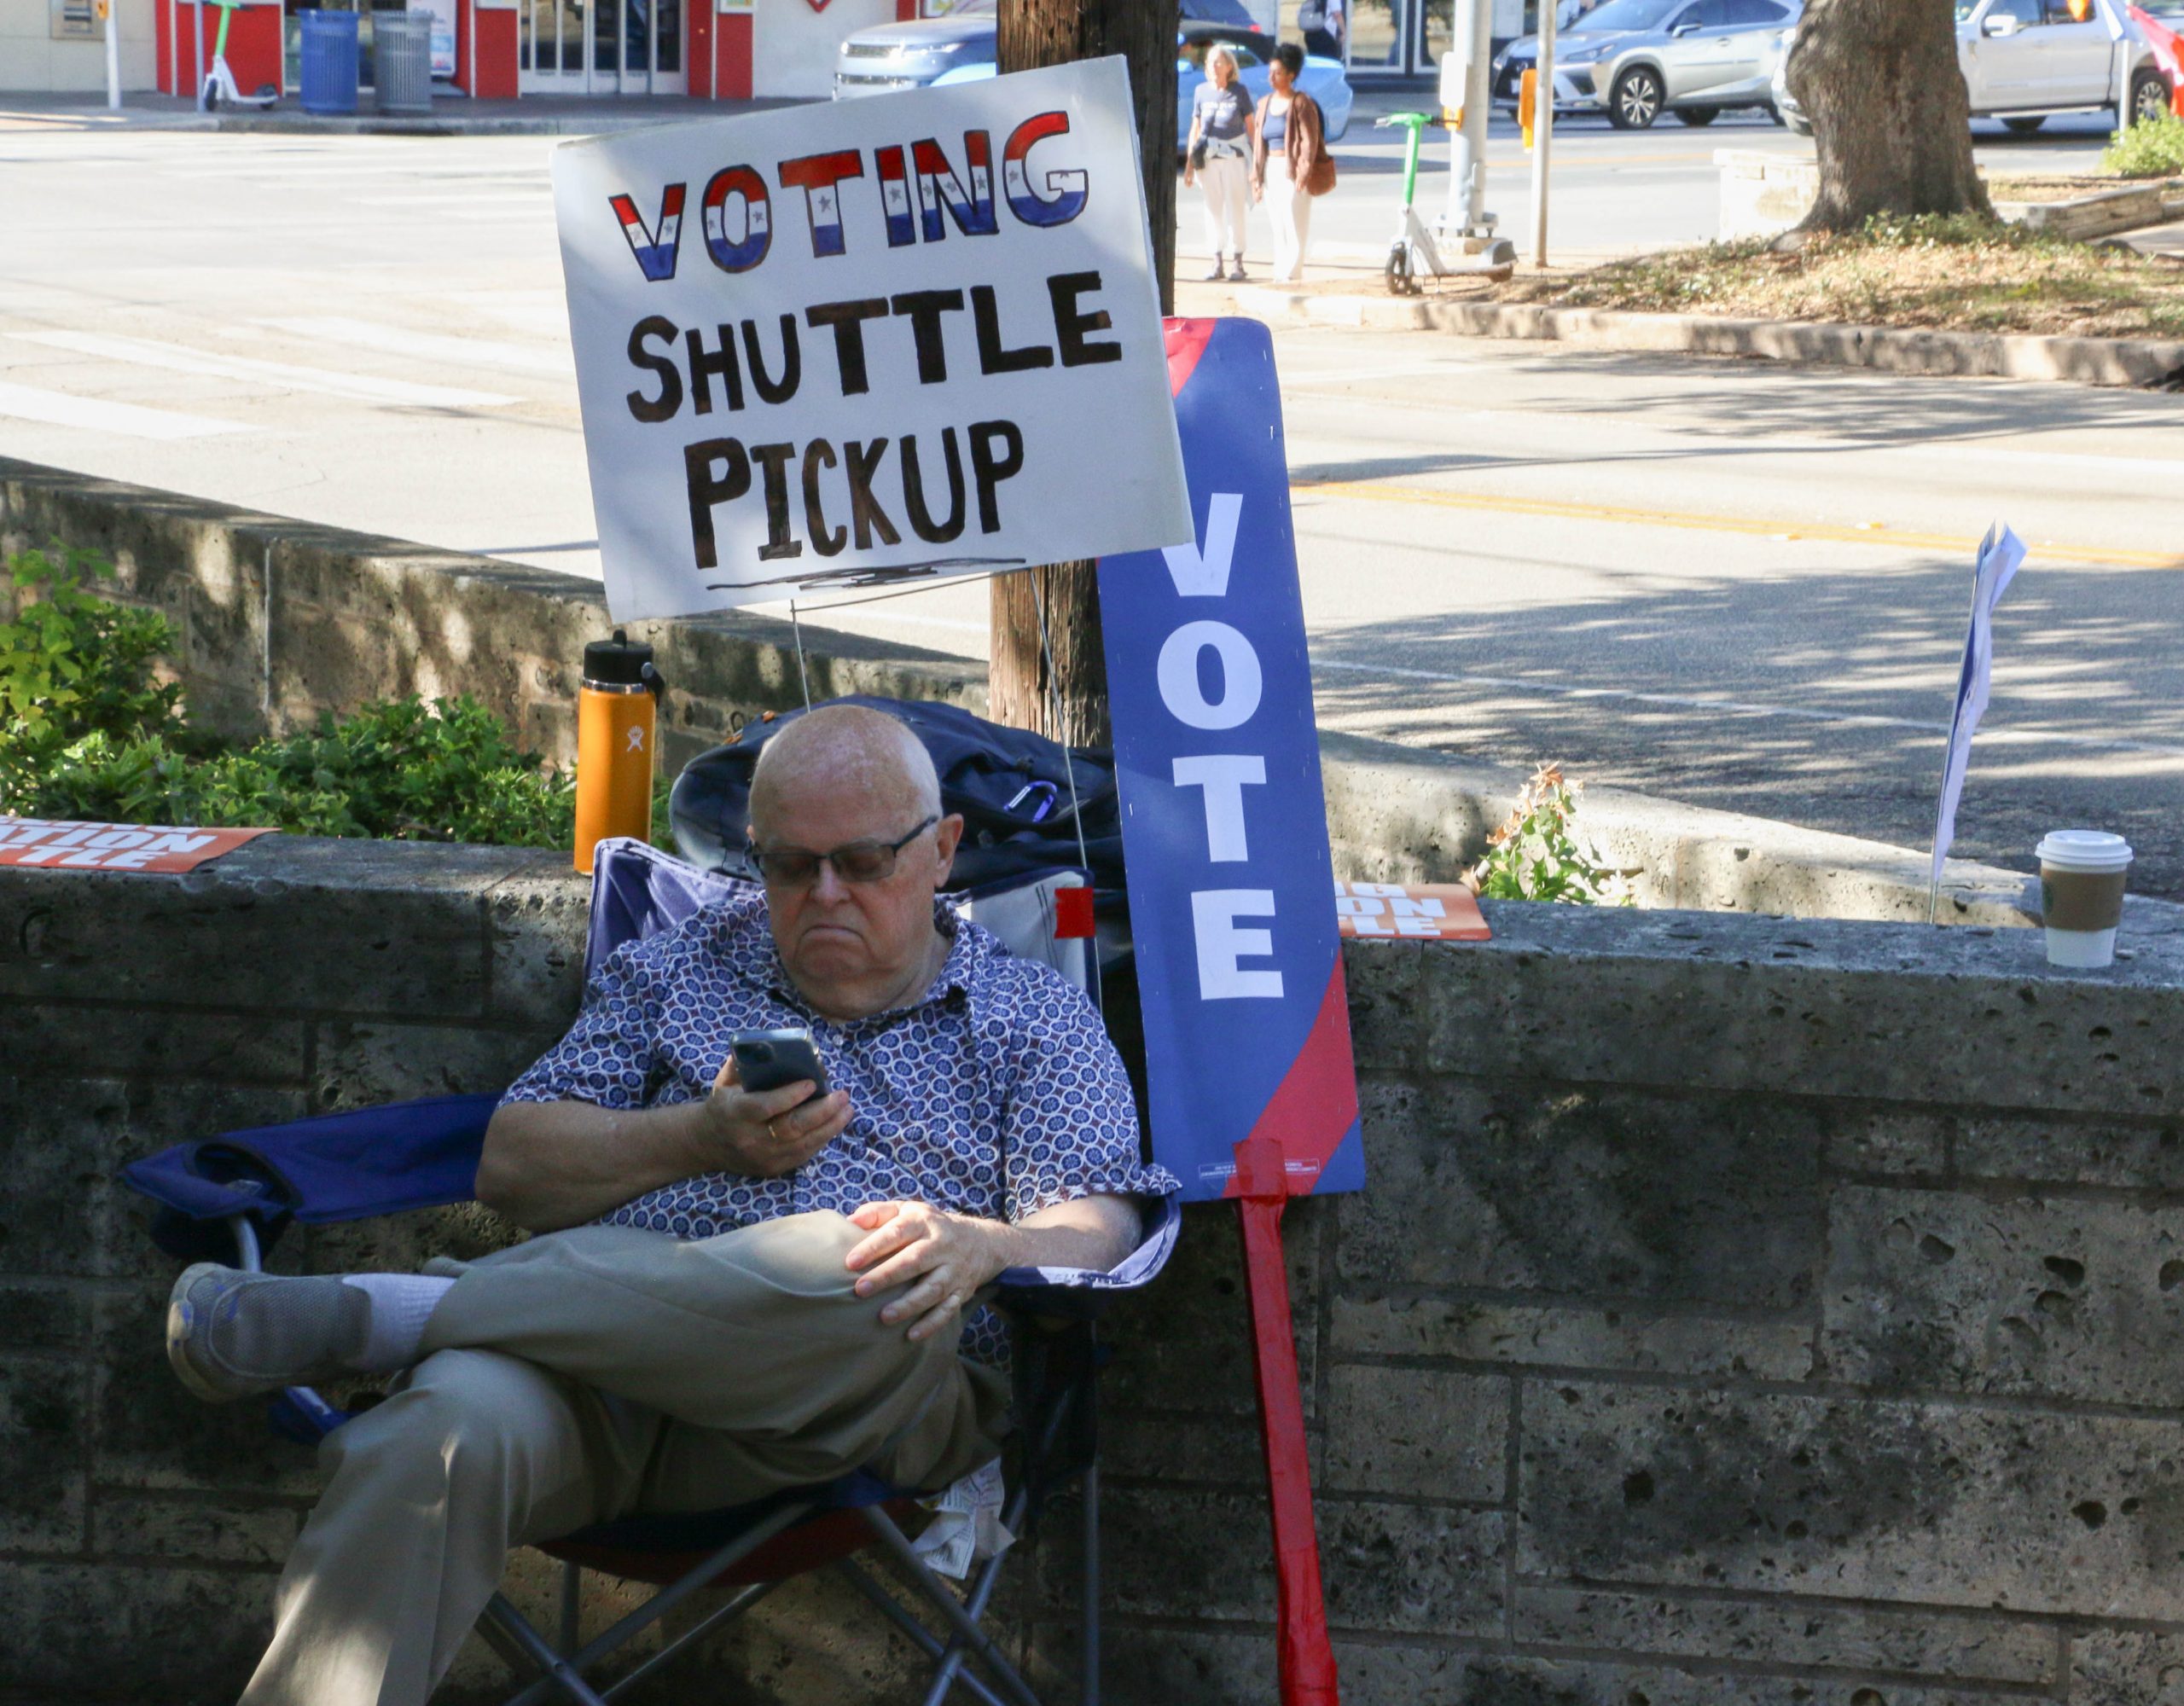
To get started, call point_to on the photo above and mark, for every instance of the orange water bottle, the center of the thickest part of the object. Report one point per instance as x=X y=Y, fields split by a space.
x=617 y=711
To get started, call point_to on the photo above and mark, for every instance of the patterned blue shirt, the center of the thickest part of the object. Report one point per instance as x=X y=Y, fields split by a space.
x=996 y=1094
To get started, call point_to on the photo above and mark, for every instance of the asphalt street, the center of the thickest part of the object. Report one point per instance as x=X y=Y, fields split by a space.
x=1739 y=585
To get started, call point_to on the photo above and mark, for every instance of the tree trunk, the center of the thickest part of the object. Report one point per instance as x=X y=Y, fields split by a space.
x=1041 y=33
x=1880 y=81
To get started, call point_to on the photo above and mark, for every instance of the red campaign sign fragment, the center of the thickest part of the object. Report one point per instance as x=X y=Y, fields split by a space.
x=1391 y=912
x=62 y=845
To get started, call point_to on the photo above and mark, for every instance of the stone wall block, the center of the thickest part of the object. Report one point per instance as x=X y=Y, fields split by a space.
x=1574 y=1336
x=1888 y=1141
x=1799 y=1013
x=1937 y=1504
x=361 y=1066
x=1425 y=1674
x=148 y=1434
x=181 y=1637
x=2144 y=1155
x=2127 y=1668
x=1417 y=1431
x=1185 y=1343
x=540 y=920
x=1930 y=1290
x=1919 y=1642
x=238 y=925
x=43 y=1315
x=194 y=1530
x=1393 y=1568
x=44 y=1413
x=1588 y=1191
x=1387 y=1018
x=83 y=1041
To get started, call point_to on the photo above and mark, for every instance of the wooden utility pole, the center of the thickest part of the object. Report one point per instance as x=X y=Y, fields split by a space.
x=1041 y=33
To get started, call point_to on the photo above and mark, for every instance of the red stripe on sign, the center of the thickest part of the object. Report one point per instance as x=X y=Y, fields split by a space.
x=1187 y=341
x=1315 y=1106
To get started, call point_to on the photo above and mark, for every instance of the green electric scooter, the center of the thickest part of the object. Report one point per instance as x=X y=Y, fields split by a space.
x=220 y=87
x=1416 y=252
x=1414 y=247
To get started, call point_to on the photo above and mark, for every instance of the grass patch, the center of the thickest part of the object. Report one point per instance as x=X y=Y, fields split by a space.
x=1953 y=273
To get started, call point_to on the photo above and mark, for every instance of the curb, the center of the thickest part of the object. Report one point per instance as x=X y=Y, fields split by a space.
x=1952 y=355
x=298 y=124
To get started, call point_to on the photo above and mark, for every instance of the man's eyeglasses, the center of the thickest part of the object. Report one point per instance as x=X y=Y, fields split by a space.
x=854 y=862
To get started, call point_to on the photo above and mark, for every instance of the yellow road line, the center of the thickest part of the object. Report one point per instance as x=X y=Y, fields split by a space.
x=1692 y=520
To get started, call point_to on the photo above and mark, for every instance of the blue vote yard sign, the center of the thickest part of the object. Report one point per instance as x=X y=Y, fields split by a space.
x=1224 y=825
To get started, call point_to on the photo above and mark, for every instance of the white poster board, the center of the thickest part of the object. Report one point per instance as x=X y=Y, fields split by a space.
x=864 y=342
x=443 y=14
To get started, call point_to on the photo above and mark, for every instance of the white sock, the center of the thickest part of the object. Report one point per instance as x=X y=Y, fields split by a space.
x=401 y=1305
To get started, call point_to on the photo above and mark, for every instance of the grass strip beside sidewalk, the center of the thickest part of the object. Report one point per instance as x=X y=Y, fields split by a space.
x=1954 y=274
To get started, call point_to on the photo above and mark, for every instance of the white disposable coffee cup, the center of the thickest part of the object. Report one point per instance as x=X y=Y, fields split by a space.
x=2081 y=876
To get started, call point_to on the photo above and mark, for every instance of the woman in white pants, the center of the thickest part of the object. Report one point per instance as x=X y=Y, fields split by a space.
x=1291 y=141
x=1217 y=156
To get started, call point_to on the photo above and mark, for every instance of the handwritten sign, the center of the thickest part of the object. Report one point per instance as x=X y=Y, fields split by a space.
x=58 y=845
x=1434 y=913
x=859 y=342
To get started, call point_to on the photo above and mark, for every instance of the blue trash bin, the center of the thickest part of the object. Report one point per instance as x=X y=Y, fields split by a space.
x=329 y=62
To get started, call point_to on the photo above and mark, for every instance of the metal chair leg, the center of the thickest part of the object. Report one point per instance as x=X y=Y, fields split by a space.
x=558 y=1672
x=1088 y=1685
x=571 y=1604
x=950 y=1607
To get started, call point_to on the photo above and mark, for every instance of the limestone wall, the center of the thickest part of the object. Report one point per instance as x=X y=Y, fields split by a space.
x=1740 y=1311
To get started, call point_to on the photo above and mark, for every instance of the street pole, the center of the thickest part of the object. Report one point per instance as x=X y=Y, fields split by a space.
x=1542 y=129
x=114 y=53
x=1467 y=176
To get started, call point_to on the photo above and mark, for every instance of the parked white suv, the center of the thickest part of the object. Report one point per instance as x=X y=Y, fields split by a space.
x=2026 y=60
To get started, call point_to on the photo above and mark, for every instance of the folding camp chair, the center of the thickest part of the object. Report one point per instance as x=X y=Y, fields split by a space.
x=229 y=1197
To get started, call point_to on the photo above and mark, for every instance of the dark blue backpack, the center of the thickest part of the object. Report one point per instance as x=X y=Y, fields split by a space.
x=1012 y=787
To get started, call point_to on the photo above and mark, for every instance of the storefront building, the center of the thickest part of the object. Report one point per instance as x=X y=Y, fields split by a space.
x=496 y=50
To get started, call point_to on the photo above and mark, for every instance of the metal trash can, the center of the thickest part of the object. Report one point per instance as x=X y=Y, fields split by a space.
x=401 y=62
x=328 y=62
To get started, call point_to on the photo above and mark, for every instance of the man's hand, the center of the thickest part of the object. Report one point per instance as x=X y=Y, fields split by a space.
x=764 y=1133
x=944 y=1258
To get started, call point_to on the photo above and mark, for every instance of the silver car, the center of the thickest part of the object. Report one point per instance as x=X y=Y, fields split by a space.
x=2024 y=61
x=1635 y=59
x=911 y=54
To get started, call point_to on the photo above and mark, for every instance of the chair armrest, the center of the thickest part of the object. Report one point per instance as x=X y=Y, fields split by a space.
x=337 y=1167
x=1079 y=1292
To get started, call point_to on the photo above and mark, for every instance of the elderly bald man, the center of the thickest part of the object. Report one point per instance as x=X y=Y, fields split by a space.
x=731 y=1292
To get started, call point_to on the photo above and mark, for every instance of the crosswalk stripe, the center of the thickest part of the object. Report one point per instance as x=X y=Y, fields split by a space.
x=436 y=347
x=364 y=387
x=96 y=414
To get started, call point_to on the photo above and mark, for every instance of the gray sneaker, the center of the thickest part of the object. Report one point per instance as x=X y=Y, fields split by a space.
x=232 y=1334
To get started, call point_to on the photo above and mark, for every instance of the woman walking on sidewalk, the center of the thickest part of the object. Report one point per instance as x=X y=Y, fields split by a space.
x=1222 y=132
x=1290 y=163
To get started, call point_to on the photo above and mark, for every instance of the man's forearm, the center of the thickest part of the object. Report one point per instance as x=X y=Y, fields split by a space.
x=547 y=1165
x=1091 y=1231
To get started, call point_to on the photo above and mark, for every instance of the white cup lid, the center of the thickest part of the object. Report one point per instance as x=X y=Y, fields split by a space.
x=2084 y=849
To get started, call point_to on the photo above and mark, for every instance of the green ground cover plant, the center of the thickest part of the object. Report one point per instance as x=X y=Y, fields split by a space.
x=2152 y=149
x=88 y=729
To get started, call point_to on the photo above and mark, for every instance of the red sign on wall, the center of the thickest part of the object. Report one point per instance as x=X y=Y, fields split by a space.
x=62 y=845
x=1435 y=912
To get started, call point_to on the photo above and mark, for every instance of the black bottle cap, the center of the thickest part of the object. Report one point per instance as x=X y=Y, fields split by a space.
x=617 y=663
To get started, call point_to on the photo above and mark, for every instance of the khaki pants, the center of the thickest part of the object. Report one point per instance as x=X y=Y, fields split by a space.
x=586 y=1375
x=1291 y=210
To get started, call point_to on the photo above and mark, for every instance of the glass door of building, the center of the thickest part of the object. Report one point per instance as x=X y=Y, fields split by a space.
x=600 y=47
x=1399 y=38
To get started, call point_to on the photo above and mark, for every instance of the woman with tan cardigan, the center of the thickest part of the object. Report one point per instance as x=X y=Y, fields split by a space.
x=1291 y=140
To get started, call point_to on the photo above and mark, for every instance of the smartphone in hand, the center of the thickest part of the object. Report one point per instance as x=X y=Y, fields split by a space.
x=767 y=1060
